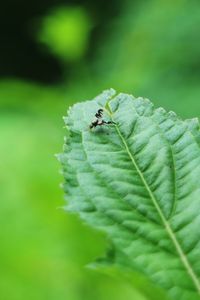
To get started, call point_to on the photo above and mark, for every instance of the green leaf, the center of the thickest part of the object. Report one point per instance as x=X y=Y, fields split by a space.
x=138 y=181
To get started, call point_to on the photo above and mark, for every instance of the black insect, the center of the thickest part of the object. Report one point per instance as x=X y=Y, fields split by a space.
x=99 y=121
x=99 y=113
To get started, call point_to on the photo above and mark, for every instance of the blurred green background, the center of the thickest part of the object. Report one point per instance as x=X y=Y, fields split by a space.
x=52 y=54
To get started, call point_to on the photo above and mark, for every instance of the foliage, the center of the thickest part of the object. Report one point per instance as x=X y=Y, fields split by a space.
x=136 y=180
x=141 y=47
x=65 y=31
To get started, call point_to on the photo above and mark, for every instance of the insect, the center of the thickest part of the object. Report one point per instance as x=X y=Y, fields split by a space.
x=99 y=121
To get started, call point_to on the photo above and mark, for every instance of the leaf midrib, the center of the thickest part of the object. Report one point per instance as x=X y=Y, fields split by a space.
x=105 y=183
x=167 y=227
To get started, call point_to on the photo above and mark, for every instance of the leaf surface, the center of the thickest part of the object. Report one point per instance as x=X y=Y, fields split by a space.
x=139 y=182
